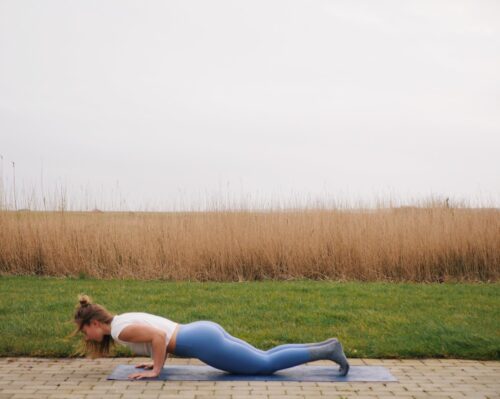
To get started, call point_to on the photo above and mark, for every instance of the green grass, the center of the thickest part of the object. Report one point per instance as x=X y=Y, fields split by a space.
x=389 y=320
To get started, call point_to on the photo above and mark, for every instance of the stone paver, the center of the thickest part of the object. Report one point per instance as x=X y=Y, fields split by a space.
x=40 y=378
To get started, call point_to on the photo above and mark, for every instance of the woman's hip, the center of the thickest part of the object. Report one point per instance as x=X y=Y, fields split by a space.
x=173 y=338
x=192 y=337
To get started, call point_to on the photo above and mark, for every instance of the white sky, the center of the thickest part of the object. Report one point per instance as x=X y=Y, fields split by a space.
x=168 y=104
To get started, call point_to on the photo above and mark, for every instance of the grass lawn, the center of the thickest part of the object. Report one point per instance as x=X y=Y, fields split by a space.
x=389 y=320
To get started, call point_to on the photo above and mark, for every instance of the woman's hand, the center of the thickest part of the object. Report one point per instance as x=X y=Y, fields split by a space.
x=147 y=366
x=138 y=376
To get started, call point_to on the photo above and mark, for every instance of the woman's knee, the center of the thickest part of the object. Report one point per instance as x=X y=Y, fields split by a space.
x=265 y=366
x=267 y=369
x=262 y=368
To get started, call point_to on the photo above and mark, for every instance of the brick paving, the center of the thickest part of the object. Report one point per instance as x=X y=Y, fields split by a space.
x=40 y=378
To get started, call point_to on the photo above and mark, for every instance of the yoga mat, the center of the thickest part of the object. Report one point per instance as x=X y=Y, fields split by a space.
x=297 y=373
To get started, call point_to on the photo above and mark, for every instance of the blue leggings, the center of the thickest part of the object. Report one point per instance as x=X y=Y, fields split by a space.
x=209 y=342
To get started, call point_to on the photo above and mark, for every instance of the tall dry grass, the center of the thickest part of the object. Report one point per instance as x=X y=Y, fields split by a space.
x=426 y=243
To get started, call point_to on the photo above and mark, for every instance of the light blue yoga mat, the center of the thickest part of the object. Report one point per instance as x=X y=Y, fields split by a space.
x=297 y=373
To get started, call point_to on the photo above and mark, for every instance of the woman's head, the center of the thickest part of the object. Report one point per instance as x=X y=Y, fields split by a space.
x=94 y=322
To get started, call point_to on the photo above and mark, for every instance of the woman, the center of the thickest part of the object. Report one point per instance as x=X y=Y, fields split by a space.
x=156 y=336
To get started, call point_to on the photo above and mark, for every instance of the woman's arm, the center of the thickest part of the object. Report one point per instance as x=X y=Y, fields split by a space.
x=146 y=333
x=159 y=352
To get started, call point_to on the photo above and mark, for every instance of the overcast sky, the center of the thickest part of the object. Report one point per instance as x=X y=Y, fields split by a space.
x=165 y=104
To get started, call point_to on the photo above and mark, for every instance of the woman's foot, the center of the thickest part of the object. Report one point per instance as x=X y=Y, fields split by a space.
x=332 y=350
x=338 y=356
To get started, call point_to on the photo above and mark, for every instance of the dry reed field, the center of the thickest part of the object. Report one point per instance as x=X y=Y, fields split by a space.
x=422 y=244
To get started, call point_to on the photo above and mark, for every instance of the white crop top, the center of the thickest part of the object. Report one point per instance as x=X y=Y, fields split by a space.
x=123 y=320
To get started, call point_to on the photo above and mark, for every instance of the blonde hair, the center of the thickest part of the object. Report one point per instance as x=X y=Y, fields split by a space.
x=85 y=312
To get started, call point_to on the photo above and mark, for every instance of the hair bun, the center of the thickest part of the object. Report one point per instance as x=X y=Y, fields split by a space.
x=84 y=300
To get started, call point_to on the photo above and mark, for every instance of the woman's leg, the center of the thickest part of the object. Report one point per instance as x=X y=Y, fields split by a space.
x=209 y=342
x=276 y=348
x=284 y=346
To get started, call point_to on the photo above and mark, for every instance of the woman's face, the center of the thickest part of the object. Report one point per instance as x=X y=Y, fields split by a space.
x=93 y=331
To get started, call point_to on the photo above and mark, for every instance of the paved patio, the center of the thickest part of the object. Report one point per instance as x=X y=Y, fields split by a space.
x=38 y=378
